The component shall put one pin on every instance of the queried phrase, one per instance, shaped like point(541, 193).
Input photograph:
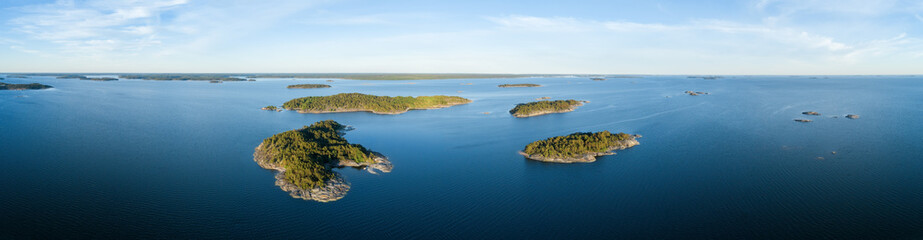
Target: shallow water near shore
point(174, 159)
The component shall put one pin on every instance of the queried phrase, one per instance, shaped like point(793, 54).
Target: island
point(852, 116)
point(183, 77)
point(598, 79)
point(691, 93)
point(705, 77)
point(544, 107)
point(518, 85)
point(305, 159)
point(306, 86)
point(387, 76)
point(358, 102)
point(83, 77)
point(271, 108)
point(29, 86)
point(811, 113)
point(578, 147)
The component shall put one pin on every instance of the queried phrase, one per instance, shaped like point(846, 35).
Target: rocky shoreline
point(333, 189)
point(588, 157)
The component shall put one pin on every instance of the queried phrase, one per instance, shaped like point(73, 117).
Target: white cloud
point(796, 38)
point(553, 24)
point(326, 18)
point(96, 25)
point(125, 27)
point(785, 35)
point(864, 7)
point(634, 27)
point(22, 49)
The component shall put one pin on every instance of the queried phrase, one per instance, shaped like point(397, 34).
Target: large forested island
point(544, 107)
point(578, 147)
point(305, 159)
point(385, 76)
point(299, 86)
point(29, 86)
point(519, 85)
point(182, 77)
point(358, 102)
point(84, 77)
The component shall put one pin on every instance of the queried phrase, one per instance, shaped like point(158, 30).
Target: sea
point(174, 160)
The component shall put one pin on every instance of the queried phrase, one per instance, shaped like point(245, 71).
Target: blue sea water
point(165, 159)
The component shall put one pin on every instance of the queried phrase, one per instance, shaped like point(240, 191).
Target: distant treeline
point(84, 77)
point(308, 86)
point(387, 76)
point(576, 144)
point(244, 76)
point(182, 77)
point(519, 85)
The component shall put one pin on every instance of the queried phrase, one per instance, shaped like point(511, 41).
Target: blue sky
point(629, 37)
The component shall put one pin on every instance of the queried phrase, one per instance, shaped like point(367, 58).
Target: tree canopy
point(519, 85)
point(28, 86)
point(308, 153)
point(544, 106)
point(375, 104)
point(181, 77)
point(308, 86)
point(576, 144)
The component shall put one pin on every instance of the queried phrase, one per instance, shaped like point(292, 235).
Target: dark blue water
point(174, 160)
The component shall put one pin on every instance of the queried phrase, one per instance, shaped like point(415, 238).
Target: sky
point(774, 37)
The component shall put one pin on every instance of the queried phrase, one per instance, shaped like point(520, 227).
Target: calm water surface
point(174, 160)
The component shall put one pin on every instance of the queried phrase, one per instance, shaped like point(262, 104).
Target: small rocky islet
point(813, 113)
point(271, 108)
point(692, 93)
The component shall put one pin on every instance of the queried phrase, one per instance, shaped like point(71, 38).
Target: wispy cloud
point(91, 25)
point(163, 26)
point(552, 24)
point(864, 7)
point(783, 35)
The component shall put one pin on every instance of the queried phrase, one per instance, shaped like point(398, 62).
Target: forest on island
point(308, 86)
point(307, 153)
point(519, 85)
point(526, 109)
point(576, 144)
point(365, 102)
point(28, 86)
